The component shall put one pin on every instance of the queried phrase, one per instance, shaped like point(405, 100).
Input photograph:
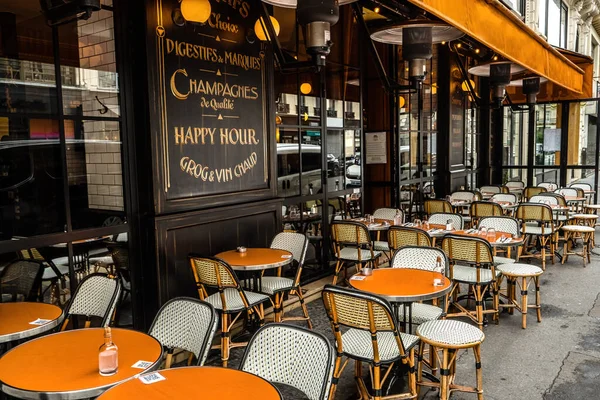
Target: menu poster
point(376, 148)
point(211, 108)
point(457, 125)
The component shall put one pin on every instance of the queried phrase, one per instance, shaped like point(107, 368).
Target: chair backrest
point(387, 213)
point(515, 184)
point(581, 185)
point(442, 218)
point(360, 310)
point(22, 278)
point(295, 243)
point(96, 296)
point(350, 233)
point(508, 197)
point(419, 257)
point(570, 191)
point(120, 255)
point(433, 206)
point(471, 250)
point(463, 195)
point(490, 189)
point(291, 355)
point(534, 212)
point(215, 273)
point(544, 198)
point(481, 209)
point(531, 191)
point(548, 185)
point(186, 323)
point(501, 224)
point(400, 236)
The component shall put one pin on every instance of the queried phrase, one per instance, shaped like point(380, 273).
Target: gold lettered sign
point(211, 83)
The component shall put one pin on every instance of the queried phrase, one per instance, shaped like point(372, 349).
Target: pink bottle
point(108, 358)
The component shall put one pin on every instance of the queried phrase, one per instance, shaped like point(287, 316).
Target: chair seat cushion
point(450, 332)
point(351, 254)
point(578, 228)
point(466, 274)
point(421, 313)
point(503, 260)
point(537, 230)
point(381, 245)
point(234, 300)
point(357, 343)
point(519, 269)
point(272, 284)
point(585, 216)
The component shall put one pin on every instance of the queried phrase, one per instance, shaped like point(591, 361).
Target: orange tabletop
point(65, 364)
point(197, 383)
point(494, 242)
point(256, 259)
point(15, 320)
point(402, 285)
point(574, 198)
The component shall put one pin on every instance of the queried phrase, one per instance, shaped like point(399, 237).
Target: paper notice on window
point(376, 147)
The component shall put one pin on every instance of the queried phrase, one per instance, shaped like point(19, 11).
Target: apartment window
point(517, 5)
point(552, 14)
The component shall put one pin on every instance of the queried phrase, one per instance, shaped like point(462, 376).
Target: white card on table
point(357, 278)
point(151, 378)
point(142, 364)
point(40, 321)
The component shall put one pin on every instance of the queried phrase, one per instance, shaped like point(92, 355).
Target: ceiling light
point(261, 32)
point(195, 10)
point(377, 9)
point(477, 51)
point(305, 88)
point(465, 86)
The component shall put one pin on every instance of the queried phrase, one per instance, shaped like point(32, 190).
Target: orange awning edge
point(495, 26)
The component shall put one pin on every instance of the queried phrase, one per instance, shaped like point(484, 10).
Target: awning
point(497, 27)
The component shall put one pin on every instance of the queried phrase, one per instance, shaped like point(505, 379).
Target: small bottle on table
point(108, 357)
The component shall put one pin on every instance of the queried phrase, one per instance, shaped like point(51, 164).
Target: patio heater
point(60, 12)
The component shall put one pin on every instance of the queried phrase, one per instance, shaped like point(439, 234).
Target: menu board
point(457, 124)
point(210, 114)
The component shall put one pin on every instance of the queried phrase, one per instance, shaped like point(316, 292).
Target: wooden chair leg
point(538, 300)
point(524, 302)
point(224, 339)
point(337, 371)
point(445, 370)
point(304, 309)
point(338, 267)
point(477, 353)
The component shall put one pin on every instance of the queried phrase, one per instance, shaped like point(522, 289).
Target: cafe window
point(552, 21)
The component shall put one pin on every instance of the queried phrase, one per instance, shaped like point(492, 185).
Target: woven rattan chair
point(21, 279)
point(433, 206)
point(278, 286)
point(568, 192)
point(507, 197)
point(515, 186)
point(293, 356)
point(507, 225)
point(537, 223)
point(400, 236)
point(187, 324)
point(352, 244)
point(389, 214)
point(471, 263)
point(531, 191)
point(96, 296)
point(449, 337)
point(490, 189)
point(481, 209)
point(521, 275)
point(442, 218)
point(581, 185)
point(468, 197)
point(372, 337)
point(230, 300)
point(549, 186)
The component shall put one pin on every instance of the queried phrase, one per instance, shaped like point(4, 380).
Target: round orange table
point(256, 259)
point(65, 365)
point(16, 320)
point(511, 241)
point(197, 382)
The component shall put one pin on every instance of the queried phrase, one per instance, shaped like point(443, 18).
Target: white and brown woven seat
point(448, 337)
point(372, 337)
point(507, 225)
point(388, 214)
point(538, 225)
point(521, 275)
point(572, 234)
point(352, 245)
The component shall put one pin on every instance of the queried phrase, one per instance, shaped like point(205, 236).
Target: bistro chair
point(515, 187)
point(449, 337)
point(21, 278)
point(434, 206)
point(352, 244)
point(457, 220)
point(505, 197)
point(581, 185)
point(293, 356)
point(568, 192)
point(549, 186)
point(471, 263)
point(531, 191)
point(119, 252)
point(521, 276)
point(481, 209)
point(490, 189)
point(388, 214)
point(572, 234)
point(96, 296)
point(187, 324)
point(230, 300)
point(537, 223)
point(400, 236)
point(507, 225)
point(54, 275)
point(278, 286)
point(467, 197)
point(372, 336)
